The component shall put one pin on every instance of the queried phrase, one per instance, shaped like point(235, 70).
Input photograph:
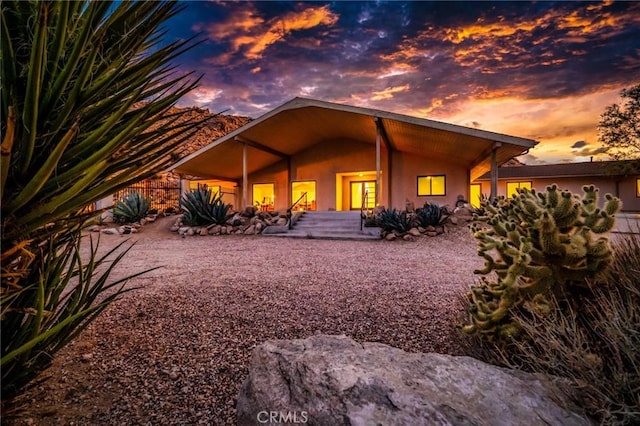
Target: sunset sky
point(543, 70)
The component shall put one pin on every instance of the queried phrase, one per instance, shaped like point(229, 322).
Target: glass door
point(358, 190)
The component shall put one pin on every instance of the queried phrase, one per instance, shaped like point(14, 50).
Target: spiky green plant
point(86, 88)
point(390, 220)
point(131, 208)
point(202, 207)
point(537, 245)
point(431, 214)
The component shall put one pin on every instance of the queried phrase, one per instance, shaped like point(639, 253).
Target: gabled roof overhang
point(302, 123)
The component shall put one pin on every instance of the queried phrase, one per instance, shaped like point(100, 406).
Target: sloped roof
point(302, 123)
point(596, 168)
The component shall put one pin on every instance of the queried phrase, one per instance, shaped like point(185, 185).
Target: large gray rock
point(333, 380)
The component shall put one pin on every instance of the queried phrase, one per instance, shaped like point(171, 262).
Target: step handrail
point(365, 198)
point(289, 210)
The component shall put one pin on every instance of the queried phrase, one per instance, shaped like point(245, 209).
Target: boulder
point(259, 227)
point(281, 222)
point(414, 231)
point(390, 236)
point(214, 229)
point(333, 380)
point(250, 230)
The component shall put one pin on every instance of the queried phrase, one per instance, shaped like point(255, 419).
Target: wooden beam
point(494, 171)
point(385, 136)
point(245, 182)
point(378, 162)
point(258, 145)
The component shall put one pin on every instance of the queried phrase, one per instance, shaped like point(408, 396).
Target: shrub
point(538, 245)
point(431, 214)
point(131, 208)
point(595, 343)
point(201, 207)
point(393, 220)
point(81, 119)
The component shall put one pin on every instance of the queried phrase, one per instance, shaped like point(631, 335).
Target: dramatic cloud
point(579, 144)
point(541, 70)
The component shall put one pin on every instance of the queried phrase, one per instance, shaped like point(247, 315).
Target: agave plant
point(431, 214)
point(202, 207)
point(86, 89)
point(393, 220)
point(131, 208)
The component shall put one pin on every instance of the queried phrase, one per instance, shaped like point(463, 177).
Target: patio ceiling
point(302, 123)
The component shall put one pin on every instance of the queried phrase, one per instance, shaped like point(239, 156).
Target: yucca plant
point(390, 220)
point(202, 207)
point(86, 88)
point(131, 208)
point(431, 214)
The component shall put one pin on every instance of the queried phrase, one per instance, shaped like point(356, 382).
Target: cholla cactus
point(537, 244)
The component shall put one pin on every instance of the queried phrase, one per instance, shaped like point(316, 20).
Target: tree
point(86, 87)
point(619, 128)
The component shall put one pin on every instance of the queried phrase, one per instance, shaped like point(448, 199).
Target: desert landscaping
point(176, 350)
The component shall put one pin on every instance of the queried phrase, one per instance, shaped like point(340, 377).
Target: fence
point(163, 194)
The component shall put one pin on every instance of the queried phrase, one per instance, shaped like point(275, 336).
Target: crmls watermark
point(280, 417)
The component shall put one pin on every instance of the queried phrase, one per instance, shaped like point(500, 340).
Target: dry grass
point(176, 351)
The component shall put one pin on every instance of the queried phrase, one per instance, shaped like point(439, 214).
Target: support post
point(378, 188)
point(245, 183)
point(494, 172)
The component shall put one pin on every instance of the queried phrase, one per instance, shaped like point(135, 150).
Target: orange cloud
point(388, 92)
point(250, 32)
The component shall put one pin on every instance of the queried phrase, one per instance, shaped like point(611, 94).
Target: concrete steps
point(343, 225)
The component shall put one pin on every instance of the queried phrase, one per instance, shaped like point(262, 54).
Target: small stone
point(204, 231)
point(174, 228)
point(110, 231)
point(408, 237)
point(174, 375)
point(183, 230)
point(150, 219)
point(143, 221)
point(432, 234)
point(390, 236)
point(453, 220)
point(414, 231)
point(430, 229)
point(87, 357)
point(259, 227)
point(250, 230)
point(190, 232)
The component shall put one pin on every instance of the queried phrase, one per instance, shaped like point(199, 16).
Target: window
point(431, 185)
point(638, 187)
point(264, 196)
point(513, 186)
point(475, 195)
point(298, 189)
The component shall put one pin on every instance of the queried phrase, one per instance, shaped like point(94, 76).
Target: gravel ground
point(176, 351)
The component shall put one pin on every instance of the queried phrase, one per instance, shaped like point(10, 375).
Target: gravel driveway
point(176, 351)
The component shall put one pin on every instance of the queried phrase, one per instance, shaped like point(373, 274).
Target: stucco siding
point(625, 190)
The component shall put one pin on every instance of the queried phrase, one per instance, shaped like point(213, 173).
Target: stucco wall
point(407, 168)
point(626, 188)
point(323, 162)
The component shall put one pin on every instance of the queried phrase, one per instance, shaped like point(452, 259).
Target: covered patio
point(341, 152)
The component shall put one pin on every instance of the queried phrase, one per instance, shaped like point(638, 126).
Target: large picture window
point(431, 185)
point(305, 192)
point(512, 187)
point(264, 196)
point(638, 187)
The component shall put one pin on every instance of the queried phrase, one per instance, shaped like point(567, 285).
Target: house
point(619, 178)
point(328, 156)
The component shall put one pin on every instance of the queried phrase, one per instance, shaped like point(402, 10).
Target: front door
point(358, 189)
